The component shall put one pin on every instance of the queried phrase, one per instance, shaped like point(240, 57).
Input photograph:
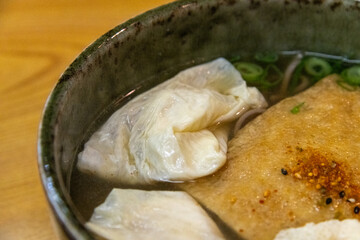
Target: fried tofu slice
point(298, 162)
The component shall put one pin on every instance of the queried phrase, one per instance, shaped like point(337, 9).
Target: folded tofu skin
point(138, 214)
point(286, 168)
point(177, 131)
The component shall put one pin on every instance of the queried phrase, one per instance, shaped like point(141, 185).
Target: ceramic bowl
point(154, 46)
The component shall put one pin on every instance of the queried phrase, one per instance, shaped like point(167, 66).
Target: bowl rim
point(69, 223)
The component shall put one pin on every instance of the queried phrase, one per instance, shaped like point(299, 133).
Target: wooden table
point(38, 40)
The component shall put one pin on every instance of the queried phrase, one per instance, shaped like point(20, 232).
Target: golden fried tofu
point(296, 163)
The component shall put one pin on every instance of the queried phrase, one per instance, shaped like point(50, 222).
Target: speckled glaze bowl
point(156, 45)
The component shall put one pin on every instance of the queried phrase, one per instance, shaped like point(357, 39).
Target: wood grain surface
point(38, 40)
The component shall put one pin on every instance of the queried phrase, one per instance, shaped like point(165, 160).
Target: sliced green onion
point(296, 109)
point(345, 85)
point(267, 57)
point(317, 67)
point(352, 75)
point(249, 71)
point(295, 80)
point(265, 83)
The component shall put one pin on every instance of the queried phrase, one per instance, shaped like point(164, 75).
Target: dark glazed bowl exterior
point(156, 45)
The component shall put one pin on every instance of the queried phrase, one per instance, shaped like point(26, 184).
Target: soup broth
point(277, 76)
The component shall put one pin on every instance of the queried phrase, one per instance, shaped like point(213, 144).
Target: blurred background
point(38, 40)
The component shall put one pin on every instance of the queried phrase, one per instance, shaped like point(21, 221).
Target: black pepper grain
point(356, 210)
point(342, 194)
point(328, 200)
point(284, 171)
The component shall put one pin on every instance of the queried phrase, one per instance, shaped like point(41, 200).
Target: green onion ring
point(249, 71)
point(267, 84)
point(267, 57)
point(351, 75)
point(317, 67)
